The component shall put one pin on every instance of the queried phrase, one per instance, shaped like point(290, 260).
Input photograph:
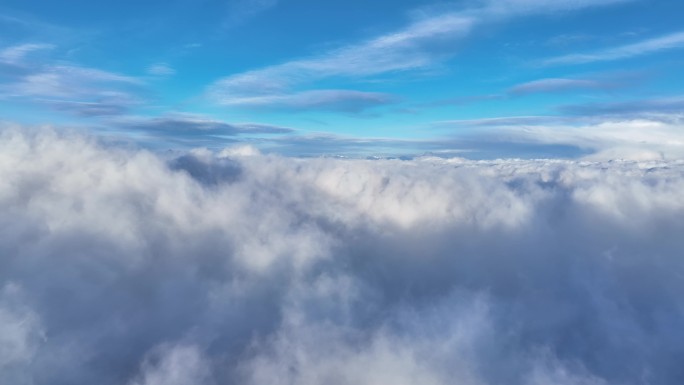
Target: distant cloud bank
point(120, 266)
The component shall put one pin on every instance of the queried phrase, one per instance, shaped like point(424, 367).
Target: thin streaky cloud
point(556, 85)
point(645, 47)
point(422, 44)
point(242, 10)
point(161, 69)
point(399, 51)
point(16, 54)
point(672, 107)
point(335, 100)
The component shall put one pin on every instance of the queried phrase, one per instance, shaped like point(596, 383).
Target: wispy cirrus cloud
point(194, 125)
point(644, 47)
point(186, 131)
point(242, 10)
point(545, 86)
point(512, 8)
point(669, 108)
point(64, 86)
point(399, 51)
point(422, 44)
point(348, 101)
point(161, 69)
point(16, 54)
point(111, 104)
point(558, 85)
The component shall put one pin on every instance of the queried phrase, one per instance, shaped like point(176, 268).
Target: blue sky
point(477, 78)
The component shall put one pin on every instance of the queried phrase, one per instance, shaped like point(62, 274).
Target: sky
point(477, 78)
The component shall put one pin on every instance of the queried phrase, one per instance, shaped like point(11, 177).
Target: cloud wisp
point(82, 91)
point(121, 267)
point(549, 85)
point(421, 45)
point(645, 47)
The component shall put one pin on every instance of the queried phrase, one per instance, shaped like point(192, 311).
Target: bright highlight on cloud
point(124, 267)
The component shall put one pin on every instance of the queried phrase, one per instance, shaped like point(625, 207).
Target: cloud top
point(120, 266)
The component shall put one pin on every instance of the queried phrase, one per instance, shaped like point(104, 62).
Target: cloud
point(64, 86)
point(16, 54)
point(645, 47)
point(509, 121)
point(601, 137)
point(186, 131)
point(176, 365)
point(241, 10)
point(21, 335)
point(79, 90)
point(108, 104)
point(599, 82)
point(119, 267)
point(424, 43)
point(333, 100)
point(512, 8)
point(667, 108)
point(403, 50)
point(557, 85)
point(160, 69)
point(188, 124)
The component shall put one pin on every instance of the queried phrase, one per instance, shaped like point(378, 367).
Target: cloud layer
point(125, 267)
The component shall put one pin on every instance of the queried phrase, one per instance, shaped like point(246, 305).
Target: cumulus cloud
point(121, 266)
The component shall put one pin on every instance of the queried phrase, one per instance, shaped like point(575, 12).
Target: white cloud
point(80, 90)
point(421, 45)
point(512, 8)
point(645, 47)
point(241, 10)
point(161, 69)
point(607, 139)
point(15, 54)
point(336, 100)
point(402, 50)
point(142, 270)
point(556, 85)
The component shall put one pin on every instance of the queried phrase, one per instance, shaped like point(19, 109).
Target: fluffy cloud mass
point(124, 267)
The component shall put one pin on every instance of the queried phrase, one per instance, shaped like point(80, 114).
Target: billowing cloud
point(645, 134)
point(119, 266)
